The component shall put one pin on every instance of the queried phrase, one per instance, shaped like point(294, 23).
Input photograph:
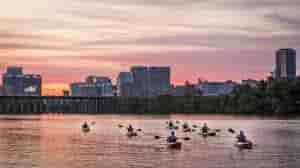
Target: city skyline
point(160, 76)
point(198, 39)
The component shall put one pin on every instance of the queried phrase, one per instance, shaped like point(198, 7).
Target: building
point(1, 91)
point(150, 81)
point(285, 63)
point(94, 86)
point(15, 83)
point(158, 81)
point(216, 88)
point(125, 84)
point(179, 90)
point(66, 93)
point(250, 82)
point(140, 81)
point(32, 85)
point(185, 90)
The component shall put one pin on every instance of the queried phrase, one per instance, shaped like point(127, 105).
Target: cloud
point(285, 21)
point(217, 39)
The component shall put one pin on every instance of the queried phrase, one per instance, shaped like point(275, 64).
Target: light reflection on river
point(49, 141)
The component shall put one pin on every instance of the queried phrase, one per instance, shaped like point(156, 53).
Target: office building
point(125, 84)
point(150, 81)
point(216, 88)
point(140, 80)
point(16, 83)
point(94, 86)
point(159, 81)
point(285, 63)
point(32, 85)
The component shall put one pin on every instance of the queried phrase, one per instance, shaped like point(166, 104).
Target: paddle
point(184, 138)
point(218, 130)
point(231, 130)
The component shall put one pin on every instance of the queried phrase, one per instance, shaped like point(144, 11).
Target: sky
point(66, 40)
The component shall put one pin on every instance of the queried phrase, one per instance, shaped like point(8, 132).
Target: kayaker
point(171, 125)
point(130, 128)
point(205, 128)
point(185, 125)
point(85, 125)
point(241, 137)
point(172, 138)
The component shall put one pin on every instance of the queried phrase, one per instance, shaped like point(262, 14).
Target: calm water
point(49, 141)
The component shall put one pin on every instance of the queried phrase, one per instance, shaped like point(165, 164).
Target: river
point(56, 140)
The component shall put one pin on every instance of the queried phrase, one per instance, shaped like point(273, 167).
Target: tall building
point(159, 81)
point(285, 63)
point(125, 84)
point(94, 86)
point(140, 80)
point(151, 81)
point(15, 83)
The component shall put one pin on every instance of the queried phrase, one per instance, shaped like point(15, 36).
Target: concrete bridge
point(61, 104)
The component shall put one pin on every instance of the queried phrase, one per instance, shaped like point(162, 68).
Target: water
point(49, 141)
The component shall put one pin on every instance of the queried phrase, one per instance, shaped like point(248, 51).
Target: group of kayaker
point(242, 140)
point(172, 140)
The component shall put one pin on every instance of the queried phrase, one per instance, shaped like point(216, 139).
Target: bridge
point(67, 104)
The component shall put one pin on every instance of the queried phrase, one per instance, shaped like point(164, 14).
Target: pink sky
point(212, 40)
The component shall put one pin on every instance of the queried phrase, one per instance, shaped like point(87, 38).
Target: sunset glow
point(66, 40)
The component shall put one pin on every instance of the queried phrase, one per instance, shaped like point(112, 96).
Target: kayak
point(187, 130)
point(131, 134)
point(174, 127)
point(86, 129)
point(176, 145)
point(212, 134)
point(244, 145)
point(208, 134)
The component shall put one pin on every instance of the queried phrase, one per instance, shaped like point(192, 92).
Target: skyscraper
point(285, 63)
point(150, 81)
point(125, 84)
point(159, 81)
point(13, 81)
point(140, 80)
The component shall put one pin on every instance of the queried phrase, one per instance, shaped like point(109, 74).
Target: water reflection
point(57, 141)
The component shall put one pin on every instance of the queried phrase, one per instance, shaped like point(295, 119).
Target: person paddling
point(185, 125)
point(242, 137)
point(130, 128)
point(172, 138)
point(205, 128)
point(85, 125)
point(171, 125)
